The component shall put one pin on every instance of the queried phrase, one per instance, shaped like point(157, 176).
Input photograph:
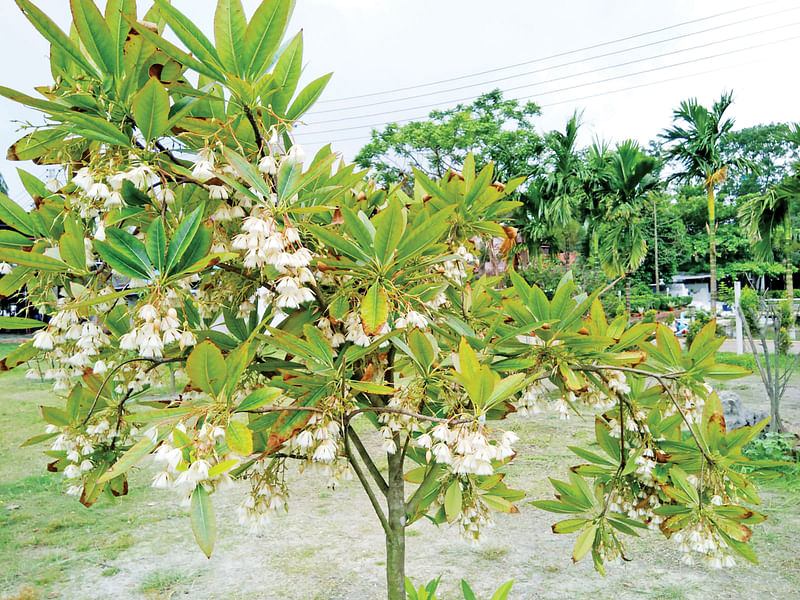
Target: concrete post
point(737, 295)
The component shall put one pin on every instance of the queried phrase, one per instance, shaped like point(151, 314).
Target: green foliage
point(771, 446)
point(491, 128)
point(699, 321)
point(750, 305)
point(428, 591)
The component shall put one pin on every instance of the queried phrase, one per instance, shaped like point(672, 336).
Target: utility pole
point(655, 236)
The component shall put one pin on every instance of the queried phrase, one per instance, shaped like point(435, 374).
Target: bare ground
point(330, 545)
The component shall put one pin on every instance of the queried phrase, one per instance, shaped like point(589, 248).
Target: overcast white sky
point(749, 46)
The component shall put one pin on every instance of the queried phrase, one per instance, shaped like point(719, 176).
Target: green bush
point(650, 316)
point(701, 319)
point(749, 302)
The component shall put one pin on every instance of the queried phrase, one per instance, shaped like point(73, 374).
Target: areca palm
point(695, 143)
point(552, 198)
point(768, 221)
point(626, 186)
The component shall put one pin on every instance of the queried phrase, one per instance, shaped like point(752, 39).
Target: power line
point(564, 64)
point(561, 78)
point(557, 55)
point(367, 136)
point(686, 62)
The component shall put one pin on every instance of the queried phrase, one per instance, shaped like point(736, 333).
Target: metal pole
point(737, 294)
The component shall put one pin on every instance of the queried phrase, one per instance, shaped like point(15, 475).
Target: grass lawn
point(330, 545)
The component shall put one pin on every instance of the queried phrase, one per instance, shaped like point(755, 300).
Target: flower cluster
point(701, 538)
point(155, 331)
point(466, 447)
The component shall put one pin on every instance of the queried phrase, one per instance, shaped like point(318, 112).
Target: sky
point(626, 64)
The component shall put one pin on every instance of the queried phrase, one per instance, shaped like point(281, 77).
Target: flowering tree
point(306, 306)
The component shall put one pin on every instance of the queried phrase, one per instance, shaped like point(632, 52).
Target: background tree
point(491, 128)
point(694, 143)
point(768, 148)
point(550, 213)
point(627, 186)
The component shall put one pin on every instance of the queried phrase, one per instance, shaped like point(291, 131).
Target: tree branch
point(371, 466)
point(365, 484)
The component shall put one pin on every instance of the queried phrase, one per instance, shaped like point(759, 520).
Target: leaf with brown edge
point(374, 309)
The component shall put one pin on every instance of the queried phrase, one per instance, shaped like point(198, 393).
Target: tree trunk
point(789, 282)
point(712, 248)
point(655, 240)
point(396, 540)
point(628, 295)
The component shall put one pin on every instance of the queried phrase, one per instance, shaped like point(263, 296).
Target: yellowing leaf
point(239, 438)
point(374, 309)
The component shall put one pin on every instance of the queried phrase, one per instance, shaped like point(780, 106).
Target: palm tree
point(627, 184)
point(695, 143)
point(594, 185)
point(552, 198)
point(767, 220)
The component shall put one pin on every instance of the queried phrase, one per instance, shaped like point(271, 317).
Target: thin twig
point(156, 361)
point(685, 419)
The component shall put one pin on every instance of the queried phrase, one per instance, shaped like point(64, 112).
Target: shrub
point(749, 302)
point(701, 319)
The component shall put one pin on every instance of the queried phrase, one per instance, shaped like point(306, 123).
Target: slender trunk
point(595, 256)
point(789, 282)
point(628, 295)
point(712, 248)
point(655, 240)
point(396, 539)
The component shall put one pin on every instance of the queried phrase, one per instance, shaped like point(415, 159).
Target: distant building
point(696, 285)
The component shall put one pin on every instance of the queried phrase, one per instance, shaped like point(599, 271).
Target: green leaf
point(206, 368)
point(371, 388)
point(421, 348)
point(503, 591)
point(287, 72)
point(72, 251)
point(307, 97)
point(239, 438)
point(156, 244)
point(209, 68)
point(584, 543)
point(132, 249)
point(569, 525)
point(724, 371)
point(13, 323)
point(54, 416)
point(374, 309)
point(95, 128)
point(116, 13)
point(151, 109)
point(182, 237)
point(13, 215)
point(466, 591)
point(50, 31)
point(452, 501)
point(134, 454)
point(95, 34)
point(230, 27)
point(32, 259)
point(38, 145)
point(259, 398)
point(204, 524)
point(188, 33)
point(390, 225)
point(263, 36)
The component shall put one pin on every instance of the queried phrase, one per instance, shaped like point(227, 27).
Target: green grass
point(747, 360)
point(163, 583)
point(51, 541)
